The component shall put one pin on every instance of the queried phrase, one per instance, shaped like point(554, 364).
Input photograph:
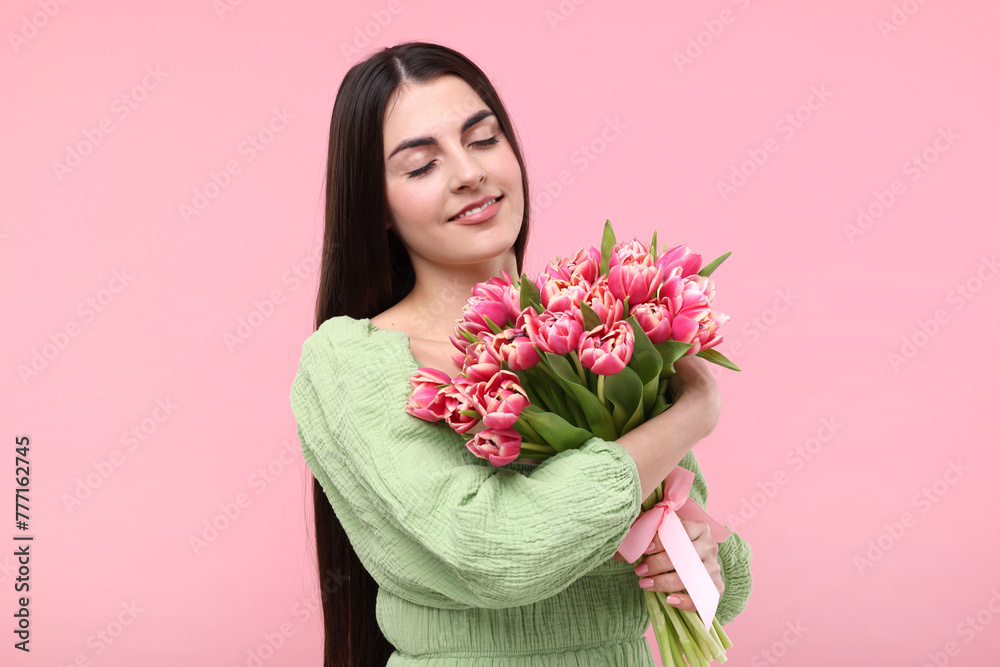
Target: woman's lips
point(482, 216)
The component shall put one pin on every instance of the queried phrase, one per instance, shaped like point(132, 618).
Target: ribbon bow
point(664, 518)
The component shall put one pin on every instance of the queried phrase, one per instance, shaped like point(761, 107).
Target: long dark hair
point(365, 270)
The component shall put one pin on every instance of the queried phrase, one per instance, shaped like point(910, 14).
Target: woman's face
point(461, 158)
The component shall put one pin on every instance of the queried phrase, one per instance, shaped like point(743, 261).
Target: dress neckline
point(399, 334)
point(404, 338)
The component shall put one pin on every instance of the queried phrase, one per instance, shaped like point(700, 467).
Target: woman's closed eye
point(427, 167)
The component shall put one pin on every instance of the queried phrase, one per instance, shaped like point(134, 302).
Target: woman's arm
point(660, 443)
point(431, 523)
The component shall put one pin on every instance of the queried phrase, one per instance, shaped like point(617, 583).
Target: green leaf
point(562, 367)
point(646, 360)
point(469, 337)
point(649, 393)
point(591, 319)
point(624, 390)
point(717, 357)
point(652, 246)
point(671, 351)
point(527, 433)
point(525, 381)
point(548, 388)
point(558, 433)
point(596, 414)
point(659, 405)
point(607, 245)
point(712, 266)
point(530, 296)
point(637, 418)
point(494, 327)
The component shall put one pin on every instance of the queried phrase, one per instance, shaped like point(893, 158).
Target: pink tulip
point(427, 400)
point(513, 346)
point(456, 400)
point(683, 312)
point(558, 294)
point(632, 273)
point(654, 319)
point(606, 305)
point(512, 300)
point(607, 350)
point(630, 252)
point(557, 333)
point(584, 265)
point(679, 256)
point(499, 400)
point(476, 310)
point(499, 446)
point(481, 360)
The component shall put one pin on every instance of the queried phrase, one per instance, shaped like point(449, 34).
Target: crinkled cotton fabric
point(477, 565)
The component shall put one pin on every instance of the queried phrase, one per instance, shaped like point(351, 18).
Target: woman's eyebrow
point(424, 141)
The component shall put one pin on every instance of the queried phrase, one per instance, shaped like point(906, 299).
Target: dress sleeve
point(435, 525)
point(734, 554)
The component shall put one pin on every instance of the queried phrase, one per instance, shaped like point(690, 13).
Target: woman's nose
point(467, 171)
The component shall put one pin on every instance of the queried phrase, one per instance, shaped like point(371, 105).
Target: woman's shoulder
point(348, 342)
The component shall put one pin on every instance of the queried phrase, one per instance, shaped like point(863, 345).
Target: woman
point(428, 555)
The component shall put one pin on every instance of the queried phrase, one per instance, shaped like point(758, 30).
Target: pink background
point(818, 310)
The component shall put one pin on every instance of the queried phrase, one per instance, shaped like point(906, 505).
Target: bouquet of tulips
point(586, 348)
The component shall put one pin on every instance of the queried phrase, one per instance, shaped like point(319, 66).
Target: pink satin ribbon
point(664, 518)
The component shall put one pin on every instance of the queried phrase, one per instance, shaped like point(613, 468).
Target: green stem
point(532, 433)
point(661, 629)
point(691, 651)
point(706, 643)
point(554, 392)
point(721, 636)
point(541, 449)
point(579, 367)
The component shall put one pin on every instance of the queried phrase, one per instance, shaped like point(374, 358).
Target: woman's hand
point(693, 381)
point(661, 571)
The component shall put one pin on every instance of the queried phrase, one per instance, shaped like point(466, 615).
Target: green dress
point(477, 565)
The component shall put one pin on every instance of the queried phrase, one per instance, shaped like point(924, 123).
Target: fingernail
point(641, 569)
point(650, 548)
point(646, 583)
point(673, 599)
